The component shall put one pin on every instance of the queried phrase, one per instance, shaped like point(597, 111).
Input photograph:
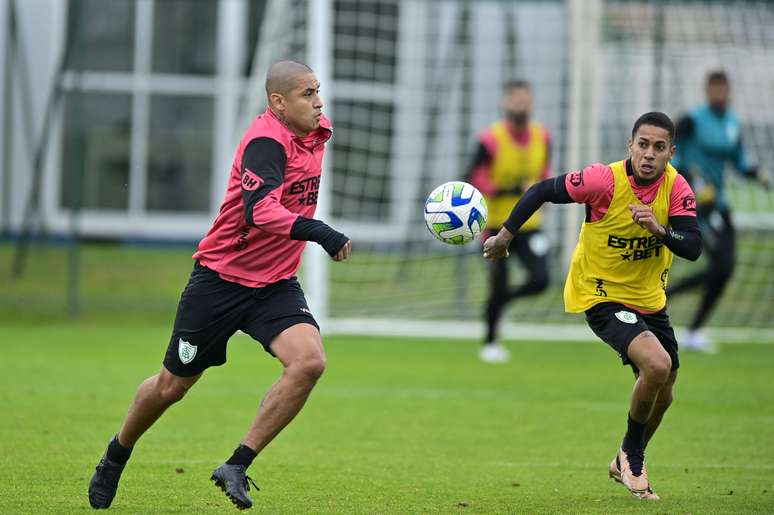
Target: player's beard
point(519, 119)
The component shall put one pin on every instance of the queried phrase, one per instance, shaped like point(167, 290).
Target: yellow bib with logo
point(513, 166)
point(615, 259)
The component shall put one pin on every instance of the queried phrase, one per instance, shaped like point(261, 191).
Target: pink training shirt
point(594, 187)
point(261, 252)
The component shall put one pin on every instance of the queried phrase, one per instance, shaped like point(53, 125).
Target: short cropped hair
point(516, 84)
point(717, 77)
point(657, 119)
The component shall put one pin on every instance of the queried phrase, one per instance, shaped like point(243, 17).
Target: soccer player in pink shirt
point(639, 212)
point(244, 278)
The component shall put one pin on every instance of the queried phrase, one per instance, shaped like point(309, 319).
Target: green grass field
point(395, 426)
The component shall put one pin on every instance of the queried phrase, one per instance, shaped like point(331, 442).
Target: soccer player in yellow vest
point(639, 212)
point(513, 154)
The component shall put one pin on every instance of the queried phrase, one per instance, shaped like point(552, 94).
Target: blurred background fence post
point(6, 150)
point(320, 55)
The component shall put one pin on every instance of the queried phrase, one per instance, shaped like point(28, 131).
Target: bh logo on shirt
point(250, 181)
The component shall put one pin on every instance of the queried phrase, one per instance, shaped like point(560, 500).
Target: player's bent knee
point(653, 362)
point(171, 388)
point(310, 367)
point(657, 370)
point(172, 393)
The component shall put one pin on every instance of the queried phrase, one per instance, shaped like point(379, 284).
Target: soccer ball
point(455, 212)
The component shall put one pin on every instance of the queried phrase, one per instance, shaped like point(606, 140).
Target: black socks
point(117, 452)
point(243, 455)
point(635, 436)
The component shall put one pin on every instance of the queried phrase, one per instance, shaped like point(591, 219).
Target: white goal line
point(452, 329)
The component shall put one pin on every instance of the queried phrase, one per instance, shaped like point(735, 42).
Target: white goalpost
point(320, 55)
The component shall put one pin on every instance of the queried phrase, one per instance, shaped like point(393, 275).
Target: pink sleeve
point(594, 185)
point(480, 176)
point(682, 201)
point(271, 216)
point(487, 139)
point(480, 179)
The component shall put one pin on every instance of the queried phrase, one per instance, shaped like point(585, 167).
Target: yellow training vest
point(615, 259)
point(515, 165)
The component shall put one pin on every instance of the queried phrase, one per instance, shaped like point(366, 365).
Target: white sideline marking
point(451, 329)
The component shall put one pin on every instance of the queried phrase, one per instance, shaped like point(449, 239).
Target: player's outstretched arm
point(551, 190)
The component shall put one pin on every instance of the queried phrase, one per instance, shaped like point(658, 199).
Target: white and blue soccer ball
point(455, 212)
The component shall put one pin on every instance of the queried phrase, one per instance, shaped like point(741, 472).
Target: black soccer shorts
point(212, 309)
point(617, 326)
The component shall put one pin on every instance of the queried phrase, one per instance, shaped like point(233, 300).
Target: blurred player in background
point(708, 138)
point(244, 278)
point(512, 155)
point(638, 213)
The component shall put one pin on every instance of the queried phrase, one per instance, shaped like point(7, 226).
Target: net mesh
point(414, 82)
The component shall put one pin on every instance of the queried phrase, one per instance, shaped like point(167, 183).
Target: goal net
point(412, 83)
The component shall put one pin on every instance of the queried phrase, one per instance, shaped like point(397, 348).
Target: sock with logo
point(243, 455)
point(117, 452)
point(635, 435)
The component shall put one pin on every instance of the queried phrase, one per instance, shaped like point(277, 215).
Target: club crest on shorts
point(627, 317)
point(186, 351)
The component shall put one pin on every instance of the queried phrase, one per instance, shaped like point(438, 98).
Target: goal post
point(319, 59)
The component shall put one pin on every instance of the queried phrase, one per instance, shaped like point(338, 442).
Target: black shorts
point(212, 309)
point(618, 325)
